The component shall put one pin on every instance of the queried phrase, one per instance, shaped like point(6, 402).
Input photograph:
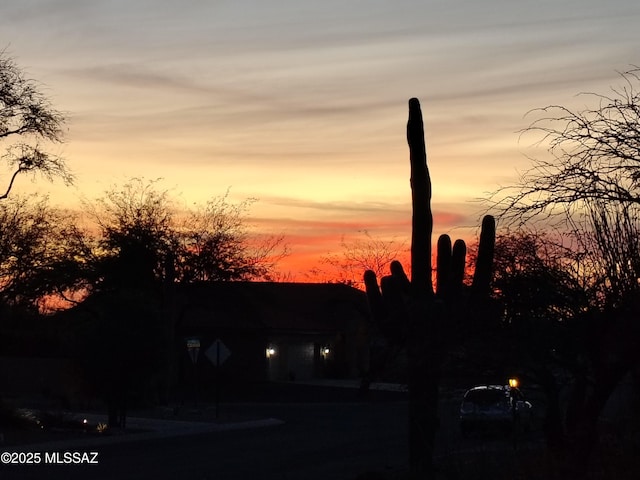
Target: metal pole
point(195, 383)
point(217, 380)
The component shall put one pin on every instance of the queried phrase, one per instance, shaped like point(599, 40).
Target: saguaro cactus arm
point(484, 261)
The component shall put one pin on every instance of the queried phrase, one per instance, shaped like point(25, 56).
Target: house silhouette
point(275, 331)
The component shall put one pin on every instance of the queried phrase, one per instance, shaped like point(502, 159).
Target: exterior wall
point(292, 359)
point(302, 358)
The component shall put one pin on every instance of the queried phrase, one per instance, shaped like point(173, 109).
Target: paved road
point(317, 441)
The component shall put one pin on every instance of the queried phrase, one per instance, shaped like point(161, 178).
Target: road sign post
point(217, 354)
point(193, 349)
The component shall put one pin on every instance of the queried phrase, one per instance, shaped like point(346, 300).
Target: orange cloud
point(312, 239)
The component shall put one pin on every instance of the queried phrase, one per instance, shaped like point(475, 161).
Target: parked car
point(494, 406)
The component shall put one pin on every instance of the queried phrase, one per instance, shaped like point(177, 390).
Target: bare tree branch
point(27, 117)
point(590, 185)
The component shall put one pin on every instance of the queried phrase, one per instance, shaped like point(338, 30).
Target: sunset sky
point(303, 105)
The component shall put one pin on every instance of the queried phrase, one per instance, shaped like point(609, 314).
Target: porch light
point(513, 382)
point(325, 351)
point(270, 352)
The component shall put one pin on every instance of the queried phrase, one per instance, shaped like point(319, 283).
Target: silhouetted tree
point(367, 252)
point(535, 278)
point(122, 344)
point(205, 243)
point(589, 188)
point(34, 242)
point(136, 223)
point(543, 300)
point(214, 244)
point(142, 246)
point(26, 120)
point(429, 322)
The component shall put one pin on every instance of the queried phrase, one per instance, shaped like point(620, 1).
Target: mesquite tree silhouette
point(423, 320)
point(27, 120)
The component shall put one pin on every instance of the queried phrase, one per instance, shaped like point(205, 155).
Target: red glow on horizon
point(308, 249)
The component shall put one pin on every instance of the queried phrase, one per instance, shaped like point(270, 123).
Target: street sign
point(217, 353)
point(193, 347)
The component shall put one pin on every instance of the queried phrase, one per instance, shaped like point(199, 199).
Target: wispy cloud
point(303, 104)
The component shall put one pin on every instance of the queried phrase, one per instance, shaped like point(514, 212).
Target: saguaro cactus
point(429, 321)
